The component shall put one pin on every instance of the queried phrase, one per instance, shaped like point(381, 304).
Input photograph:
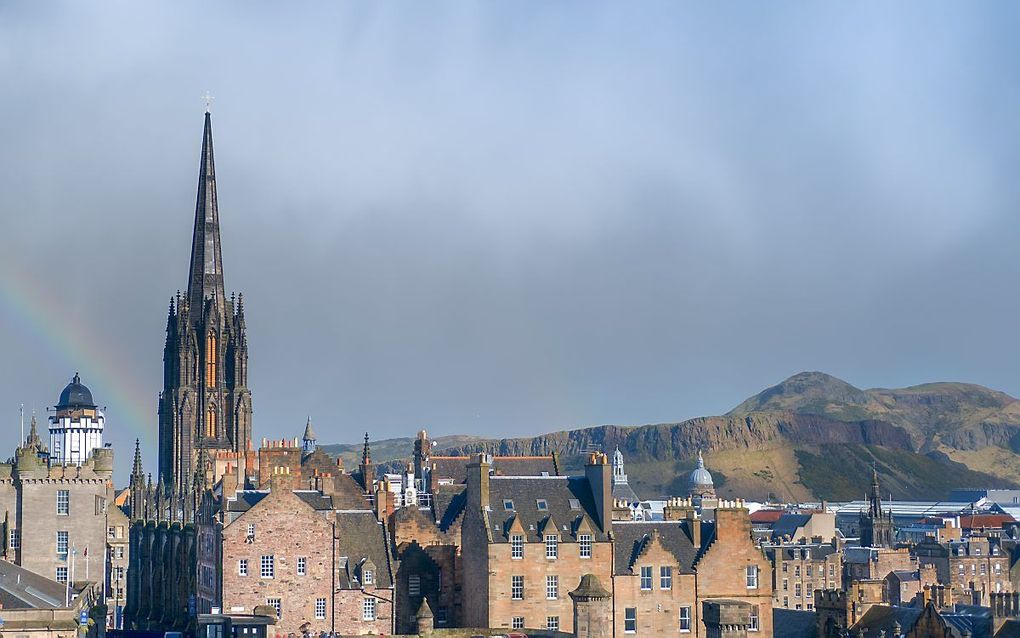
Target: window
point(646, 577)
point(368, 577)
point(441, 616)
point(584, 545)
point(251, 531)
point(552, 587)
point(516, 547)
point(242, 567)
point(998, 567)
point(63, 502)
point(517, 587)
point(796, 590)
point(630, 620)
point(807, 571)
point(665, 577)
point(120, 552)
point(808, 589)
point(320, 608)
point(15, 538)
point(210, 360)
point(552, 546)
point(575, 504)
point(302, 566)
point(796, 570)
point(542, 505)
point(508, 505)
point(517, 622)
point(786, 602)
point(685, 619)
point(755, 623)
point(786, 567)
point(414, 585)
point(786, 584)
point(210, 421)
point(552, 623)
point(832, 571)
point(368, 609)
point(100, 505)
point(62, 575)
point(62, 544)
point(111, 532)
point(751, 575)
point(276, 604)
point(268, 567)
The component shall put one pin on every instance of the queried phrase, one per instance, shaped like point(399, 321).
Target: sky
point(506, 219)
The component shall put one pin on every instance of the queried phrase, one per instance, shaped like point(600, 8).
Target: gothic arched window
point(210, 360)
point(210, 422)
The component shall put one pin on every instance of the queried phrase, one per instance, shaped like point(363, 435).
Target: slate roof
point(791, 623)
point(24, 589)
point(360, 537)
point(630, 539)
point(884, 617)
point(623, 491)
point(455, 467)
point(976, 620)
point(905, 576)
point(247, 499)
point(448, 504)
point(793, 552)
point(787, 524)
point(567, 501)
point(347, 494)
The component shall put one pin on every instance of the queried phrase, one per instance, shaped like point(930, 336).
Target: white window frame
point(552, 546)
point(751, 576)
point(516, 587)
point(552, 587)
point(414, 585)
point(685, 620)
point(367, 577)
point(15, 539)
point(646, 578)
point(552, 623)
point(755, 624)
point(267, 566)
point(368, 609)
point(242, 567)
point(61, 576)
point(665, 577)
point(277, 604)
point(302, 566)
point(584, 545)
point(630, 620)
point(320, 608)
point(63, 502)
point(63, 542)
point(516, 546)
point(517, 622)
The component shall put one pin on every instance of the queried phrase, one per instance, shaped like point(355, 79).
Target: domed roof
point(700, 476)
point(75, 395)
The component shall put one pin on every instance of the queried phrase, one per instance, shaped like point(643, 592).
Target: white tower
point(76, 428)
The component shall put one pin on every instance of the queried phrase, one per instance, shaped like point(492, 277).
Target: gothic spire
point(875, 505)
point(206, 277)
point(136, 469)
point(366, 454)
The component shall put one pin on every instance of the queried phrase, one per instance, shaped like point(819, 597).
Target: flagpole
point(87, 563)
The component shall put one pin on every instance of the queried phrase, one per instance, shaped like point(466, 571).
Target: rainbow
point(24, 300)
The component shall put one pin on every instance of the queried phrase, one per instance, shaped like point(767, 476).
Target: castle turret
point(76, 427)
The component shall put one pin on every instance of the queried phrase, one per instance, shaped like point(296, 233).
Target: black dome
point(75, 395)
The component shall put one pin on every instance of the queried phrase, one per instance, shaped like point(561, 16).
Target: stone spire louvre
point(205, 279)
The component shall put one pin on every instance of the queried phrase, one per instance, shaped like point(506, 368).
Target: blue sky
point(512, 218)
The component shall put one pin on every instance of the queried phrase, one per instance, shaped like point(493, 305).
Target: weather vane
point(208, 101)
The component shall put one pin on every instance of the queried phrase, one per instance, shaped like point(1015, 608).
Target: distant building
point(876, 524)
point(76, 427)
point(799, 569)
point(700, 483)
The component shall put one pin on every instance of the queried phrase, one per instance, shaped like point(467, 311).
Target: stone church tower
point(877, 524)
point(205, 403)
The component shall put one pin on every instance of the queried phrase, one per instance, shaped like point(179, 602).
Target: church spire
point(136, 469)
point(206, 277)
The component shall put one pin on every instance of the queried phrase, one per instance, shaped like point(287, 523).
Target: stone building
point(322, 570)
point(205, 403)
point(877, 523)
point(593, 609)
point(976, 566)
point(56, 516)
point(654, 582)
point(801, 568)
point(527, 540)
point(700, 484)
point(875, 563)
point(76, 427)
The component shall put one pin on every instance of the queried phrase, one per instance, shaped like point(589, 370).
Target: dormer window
point(575, 504)
point(508, 505)
point(542, 505)
point(367, 577)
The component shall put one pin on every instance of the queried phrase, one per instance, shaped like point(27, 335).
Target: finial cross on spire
point(208, 101)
